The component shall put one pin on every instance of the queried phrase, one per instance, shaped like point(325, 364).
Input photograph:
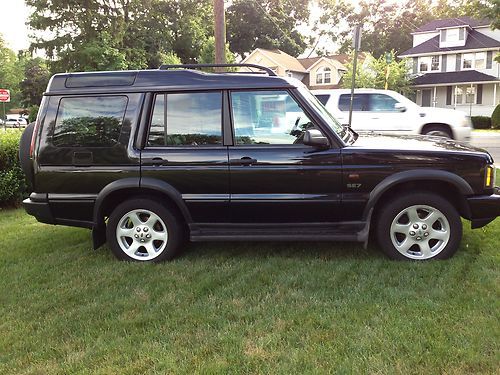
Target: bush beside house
point(481, 122)
point(12, 181)
point(495, 118)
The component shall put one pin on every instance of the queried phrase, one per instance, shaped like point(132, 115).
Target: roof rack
point(198, 66)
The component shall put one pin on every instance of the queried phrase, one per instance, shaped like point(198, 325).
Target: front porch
point(475, 99)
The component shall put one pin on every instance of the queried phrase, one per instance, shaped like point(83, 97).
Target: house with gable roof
point(323, 72)
point(452, 62)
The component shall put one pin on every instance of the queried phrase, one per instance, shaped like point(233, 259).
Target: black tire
point(24, 152)
point(451, 226)
point(171, 222)
point(438, 130)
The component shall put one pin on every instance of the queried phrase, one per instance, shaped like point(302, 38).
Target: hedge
point(495, 118)
point(13, 184)
point(481, 122)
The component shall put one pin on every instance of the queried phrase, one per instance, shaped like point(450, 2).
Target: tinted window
point(323, 98)
point(191, 119)
point(382, 103)
point(89, 121)
point(268, 117)
point(359, 102)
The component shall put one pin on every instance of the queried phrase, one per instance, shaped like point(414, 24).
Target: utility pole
point(356, 43)
point(220, 33)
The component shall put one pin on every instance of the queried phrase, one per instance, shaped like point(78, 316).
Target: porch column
point(435, 97)
point(455, 97)
point(495, 94)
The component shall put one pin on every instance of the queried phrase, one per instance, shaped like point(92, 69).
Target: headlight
point(489, 176)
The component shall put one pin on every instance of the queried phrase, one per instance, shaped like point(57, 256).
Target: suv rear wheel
point(143, 230)
point(419, 226)
point(438, 131)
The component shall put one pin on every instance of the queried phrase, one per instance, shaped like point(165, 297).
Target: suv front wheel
point(419, 226)
point(143, 230)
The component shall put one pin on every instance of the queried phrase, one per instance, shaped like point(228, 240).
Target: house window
point(480, 62)
point(323, 76)
point(458, 95)
point(452, 35)
point(468, 61)
point(424, 64)
point(470, 93)
point(435, 63)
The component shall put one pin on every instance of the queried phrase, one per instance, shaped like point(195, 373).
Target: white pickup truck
point(386, 111)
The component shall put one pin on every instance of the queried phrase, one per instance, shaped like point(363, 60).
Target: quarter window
point(382, 103)
point(267, 118)
point(187, 119)
point(89, 121)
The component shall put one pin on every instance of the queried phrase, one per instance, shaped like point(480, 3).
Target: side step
point(344, 231)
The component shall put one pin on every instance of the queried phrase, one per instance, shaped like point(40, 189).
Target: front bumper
point(484, 208)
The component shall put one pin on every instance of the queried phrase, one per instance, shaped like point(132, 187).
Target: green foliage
point(481, 122)
point(12, 181)
point(11, 74)
point(266, 24)
point(495, 118)
point(372, 74)
point(33, 112)
point(36, 78)
point(207, 53)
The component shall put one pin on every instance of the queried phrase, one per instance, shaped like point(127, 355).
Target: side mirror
point(313, 137)
point(399, 107)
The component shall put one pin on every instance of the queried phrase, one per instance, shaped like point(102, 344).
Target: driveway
point(489, 141)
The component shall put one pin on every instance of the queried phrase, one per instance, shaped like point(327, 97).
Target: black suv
point(149, 159)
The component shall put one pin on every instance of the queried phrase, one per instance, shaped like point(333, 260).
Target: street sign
point(4, 96)
point(356, 38)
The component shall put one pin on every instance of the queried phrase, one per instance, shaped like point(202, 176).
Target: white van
point(386, 111)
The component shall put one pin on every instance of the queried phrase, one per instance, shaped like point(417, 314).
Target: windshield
point(323, 112)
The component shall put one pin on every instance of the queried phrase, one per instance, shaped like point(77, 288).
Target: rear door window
point(186, 119)
point(359, 103)
point(89, 121)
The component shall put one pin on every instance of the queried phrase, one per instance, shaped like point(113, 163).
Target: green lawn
point(244, 308)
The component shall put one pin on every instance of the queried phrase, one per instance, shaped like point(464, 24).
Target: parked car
point(148, 159)
point(12, 123)
point(387, 112)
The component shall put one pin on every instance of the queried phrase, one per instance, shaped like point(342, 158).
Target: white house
point(453, 65)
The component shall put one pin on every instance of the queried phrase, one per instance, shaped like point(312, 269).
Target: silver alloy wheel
point(141, 234)
point(438, 133)
point(420, 232)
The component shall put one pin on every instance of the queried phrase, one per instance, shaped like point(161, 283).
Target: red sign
point(4, 96)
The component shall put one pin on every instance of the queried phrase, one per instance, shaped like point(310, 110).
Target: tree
point(207, 53)
point(36, 77)
point(119, 34)
point(372, 74)
point(11, 73)
point(266, 24)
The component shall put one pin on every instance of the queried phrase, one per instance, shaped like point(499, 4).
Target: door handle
point(158, 161)
point(245, 160)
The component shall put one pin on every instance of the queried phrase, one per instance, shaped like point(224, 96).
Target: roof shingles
point(464, 76)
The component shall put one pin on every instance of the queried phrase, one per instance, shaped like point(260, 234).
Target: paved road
point(489, 141)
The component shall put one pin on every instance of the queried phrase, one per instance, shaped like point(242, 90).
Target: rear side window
point(359, 102)
point(323, 98)
point(187, 119)
point(89, 121)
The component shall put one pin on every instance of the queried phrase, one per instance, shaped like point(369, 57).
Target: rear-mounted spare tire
point(24, 153)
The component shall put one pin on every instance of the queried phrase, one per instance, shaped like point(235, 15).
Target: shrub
point(481, 122)
point(12, 181)
point(495, 118)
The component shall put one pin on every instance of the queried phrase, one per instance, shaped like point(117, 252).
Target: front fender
point(415, 175)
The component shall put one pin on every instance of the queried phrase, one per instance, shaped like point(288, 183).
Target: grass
point(244, 307)
point(491, 130)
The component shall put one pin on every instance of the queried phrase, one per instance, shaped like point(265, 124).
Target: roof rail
point(198, 66)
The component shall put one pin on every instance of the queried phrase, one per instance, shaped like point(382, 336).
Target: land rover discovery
point(149, 159)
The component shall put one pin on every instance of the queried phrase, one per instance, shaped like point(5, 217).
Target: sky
point(12, 24)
